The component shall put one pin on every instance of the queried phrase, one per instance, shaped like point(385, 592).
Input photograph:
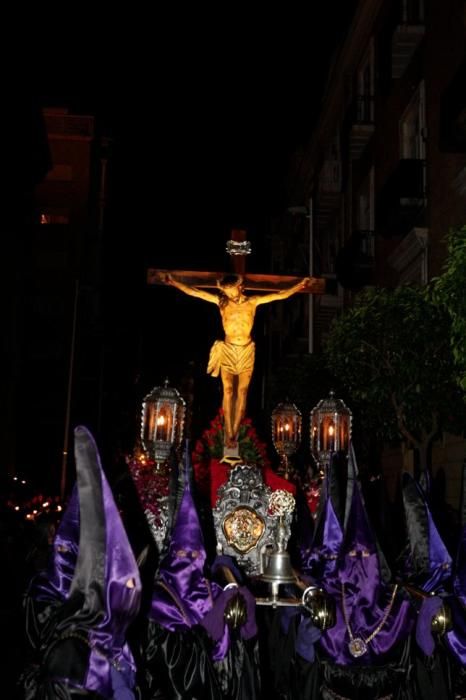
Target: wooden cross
point(234, 360)
point(253, 282)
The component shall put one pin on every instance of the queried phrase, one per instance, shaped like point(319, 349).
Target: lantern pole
point(286, 434)
point(311, 273)
point(69, 392)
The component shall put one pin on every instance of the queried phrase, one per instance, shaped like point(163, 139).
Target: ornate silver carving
point(239, 247)
point(331, 422)
point(158, 524)
point(244, 527)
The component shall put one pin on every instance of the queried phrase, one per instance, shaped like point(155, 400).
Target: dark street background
point(201, 126)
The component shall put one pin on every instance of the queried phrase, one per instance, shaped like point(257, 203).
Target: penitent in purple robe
point(79, 610)
point(358, 589)
point(187, 651)
point(322, 560)
point(426, 564)
point(456, 639)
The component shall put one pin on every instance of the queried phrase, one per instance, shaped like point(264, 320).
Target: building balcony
point(362, 124)
point(406, 38)
point(401, 201)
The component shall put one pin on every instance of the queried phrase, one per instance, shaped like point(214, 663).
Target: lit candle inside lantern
point(161, 432)
point(331, 437)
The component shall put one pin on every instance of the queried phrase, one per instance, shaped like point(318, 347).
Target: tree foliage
point(449, 292)
point(392, 351)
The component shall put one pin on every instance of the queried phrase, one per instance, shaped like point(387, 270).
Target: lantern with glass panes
point(330, 429)
point(286, 433)
point(163, 414)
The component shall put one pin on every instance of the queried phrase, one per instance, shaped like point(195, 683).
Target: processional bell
point(278, 568)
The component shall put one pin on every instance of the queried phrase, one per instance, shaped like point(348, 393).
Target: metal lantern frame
point(330, 428)
point(162, 422)
point(286, 432)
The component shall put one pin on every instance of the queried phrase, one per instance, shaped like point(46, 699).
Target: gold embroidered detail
point(358, 645)
point(243, 529)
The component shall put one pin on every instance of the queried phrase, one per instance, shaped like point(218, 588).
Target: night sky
point(204, 113)
point(204, 119)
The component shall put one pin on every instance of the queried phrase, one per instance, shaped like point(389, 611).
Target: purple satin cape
point(456, 639)
point(328, 536)
point(54, 584)
point(214, 622)
point(424, 637)
point(323, 558)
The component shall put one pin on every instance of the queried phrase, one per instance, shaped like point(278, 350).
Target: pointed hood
point(54, 584)
point(428, 563)
point(364, 602)
point(359, 549)
point(183, 596)
point(106, 577)
point(459, 581)
point(361, 561)
point(94, 586)
point(106, 572)
point(328, 535)
point(456, 638)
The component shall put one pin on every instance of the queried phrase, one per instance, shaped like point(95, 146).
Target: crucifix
point(233, 357)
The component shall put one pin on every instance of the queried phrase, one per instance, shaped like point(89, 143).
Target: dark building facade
point(53, 301)
point(383, 178)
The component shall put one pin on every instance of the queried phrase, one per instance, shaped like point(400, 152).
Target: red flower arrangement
point(209, 449)
point(150, 485)
point(211, 443)
point(313, 494)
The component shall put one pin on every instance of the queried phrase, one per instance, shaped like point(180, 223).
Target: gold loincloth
point(235, 359)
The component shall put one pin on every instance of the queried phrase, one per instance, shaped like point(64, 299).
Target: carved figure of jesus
point(233, 357)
